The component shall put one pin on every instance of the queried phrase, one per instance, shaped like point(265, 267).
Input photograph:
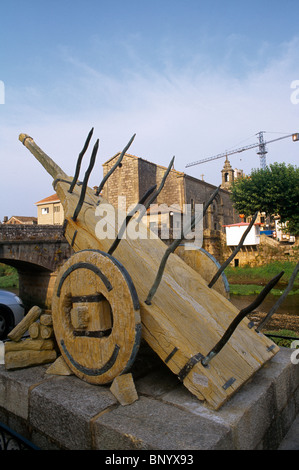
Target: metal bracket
point(170, 356)
point(228, 383)
point(189, 365)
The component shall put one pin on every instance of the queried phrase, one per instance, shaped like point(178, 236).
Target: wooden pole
point(33, 315)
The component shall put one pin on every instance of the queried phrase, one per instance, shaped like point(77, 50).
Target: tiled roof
point(23, 218)
point(241, 224)
point(49, 199)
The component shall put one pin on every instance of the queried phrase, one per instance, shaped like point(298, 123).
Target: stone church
point(135, 175)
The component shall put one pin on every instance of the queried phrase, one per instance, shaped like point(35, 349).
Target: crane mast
point(262, 151)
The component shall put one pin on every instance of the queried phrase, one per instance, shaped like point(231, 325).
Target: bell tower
point(227, 175)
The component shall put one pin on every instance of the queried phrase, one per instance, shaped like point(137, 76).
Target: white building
point(234, 233)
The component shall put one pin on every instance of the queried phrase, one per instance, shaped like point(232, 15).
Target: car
point(12, 311)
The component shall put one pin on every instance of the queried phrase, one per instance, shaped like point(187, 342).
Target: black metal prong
point(280, 300)
point(156, 194)
point(236, 250)
point(173, 246)
point(128, 218)
point(164, 259)
point(78, 166)
point(114, 166)
point(241, 315)
point(85, 181)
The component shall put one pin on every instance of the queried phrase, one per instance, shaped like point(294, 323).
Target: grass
point(8, 277)
point(246, 280)
point(252, 289)
point(282, 342)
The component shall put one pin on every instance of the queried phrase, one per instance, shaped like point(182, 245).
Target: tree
point(274, 190)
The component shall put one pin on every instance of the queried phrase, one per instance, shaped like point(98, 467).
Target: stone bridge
point(37, 252)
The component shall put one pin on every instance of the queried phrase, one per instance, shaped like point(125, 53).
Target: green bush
point(8, 276)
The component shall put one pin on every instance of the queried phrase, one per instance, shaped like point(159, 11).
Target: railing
point(10, 440)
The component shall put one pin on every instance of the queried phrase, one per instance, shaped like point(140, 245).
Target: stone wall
point(36, 288)
point(30, 232)
point(267, 251)
point(213, 244)
point(220, 212)
point(122, 182)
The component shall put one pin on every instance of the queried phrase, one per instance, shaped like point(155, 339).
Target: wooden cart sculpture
point(108, 295)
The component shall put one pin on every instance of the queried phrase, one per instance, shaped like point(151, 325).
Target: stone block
point(248, 413)
point(291, 441)
point(15, 388)
point(63, 407)
point(284, 374)
point(150, 424)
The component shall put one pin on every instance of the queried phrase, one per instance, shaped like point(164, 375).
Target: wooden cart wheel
point(96, 316)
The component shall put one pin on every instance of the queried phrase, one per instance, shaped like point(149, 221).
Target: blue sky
point(191, 78)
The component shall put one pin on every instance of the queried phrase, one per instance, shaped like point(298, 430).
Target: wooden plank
point(204, 264)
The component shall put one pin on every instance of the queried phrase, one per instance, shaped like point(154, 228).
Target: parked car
point(11, 312)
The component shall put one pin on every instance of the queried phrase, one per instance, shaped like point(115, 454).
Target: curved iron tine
point(173, 246)
point(156, 194)
point(114, 166)
point(241, 315)
point(78, 166)
point(128, 218)
point(280, 300)
point(85, 181)
point(236, 250)
point(212, 197)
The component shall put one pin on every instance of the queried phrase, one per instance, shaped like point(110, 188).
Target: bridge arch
point(36, 252)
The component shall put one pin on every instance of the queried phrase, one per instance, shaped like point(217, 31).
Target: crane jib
point(295, 137)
